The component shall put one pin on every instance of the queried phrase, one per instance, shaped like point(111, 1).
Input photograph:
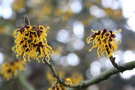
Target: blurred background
point(70, 22)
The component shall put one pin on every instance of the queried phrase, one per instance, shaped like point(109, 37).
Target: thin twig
point(26, 20)
point(120, 68)
point(60, 80)
point(105, 75)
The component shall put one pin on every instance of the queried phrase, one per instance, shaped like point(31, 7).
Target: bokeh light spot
point(73, 59)
point(78, 29)
point(1, 58)
point(63, 36)
point(76, 6)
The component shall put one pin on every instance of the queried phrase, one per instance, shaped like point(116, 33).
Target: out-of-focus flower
point(18, 4)
point(45, 11)
point(10, 69)
point(117, 14)
point(31, 43)
point(78, 79)
point(104, 41)
point(64, 15)
point(50, 77)
point(3, 29)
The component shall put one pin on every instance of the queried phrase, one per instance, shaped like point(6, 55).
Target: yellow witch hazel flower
point(50, 77)
point(55, 84)
point(104, 41)
point(58, 86)
point(10, 69)
point(31, 43)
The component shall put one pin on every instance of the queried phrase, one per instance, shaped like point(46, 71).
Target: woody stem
point(120, 68)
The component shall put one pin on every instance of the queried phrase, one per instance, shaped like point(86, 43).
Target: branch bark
point(60, 80)
point(118, 67)
point(103, 76)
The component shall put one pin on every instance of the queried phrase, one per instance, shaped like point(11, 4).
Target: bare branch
point(119, 67)
point(60, 80)
point(105, 75)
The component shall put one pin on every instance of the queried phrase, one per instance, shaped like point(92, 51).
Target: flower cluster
point(104, 41)
point(57, 85)
point(31, 43)
point(10, 69)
